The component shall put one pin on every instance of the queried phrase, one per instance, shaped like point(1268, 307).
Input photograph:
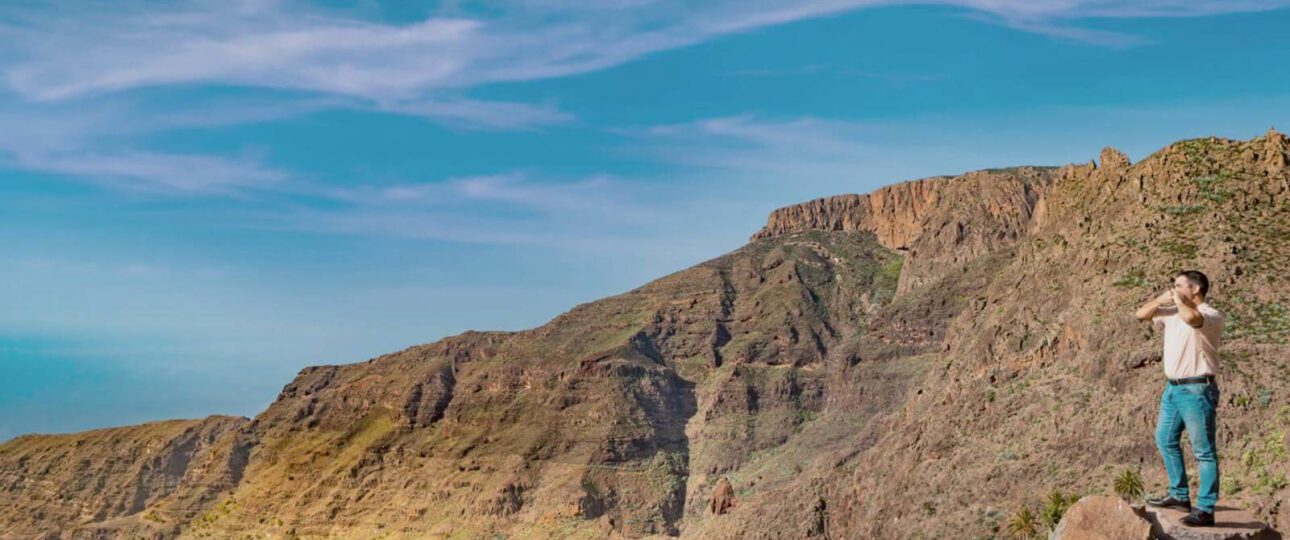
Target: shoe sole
point(1183, 508)
point(1168, 505)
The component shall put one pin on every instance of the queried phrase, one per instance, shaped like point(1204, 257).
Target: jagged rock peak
point(1276, 141)
point(1113, 159)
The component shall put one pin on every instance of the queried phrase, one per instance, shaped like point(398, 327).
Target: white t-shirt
point(1190, 351)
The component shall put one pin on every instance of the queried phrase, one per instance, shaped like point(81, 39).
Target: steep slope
point(608, 418)
point(912, 363)
point(111, 482)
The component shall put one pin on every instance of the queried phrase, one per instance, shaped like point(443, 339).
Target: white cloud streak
point(60, 140)
point(513, 208)
point(799, 148)
point(294, 46)
point(157, 172)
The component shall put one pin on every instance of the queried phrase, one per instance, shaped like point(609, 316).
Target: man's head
point(1191, 283)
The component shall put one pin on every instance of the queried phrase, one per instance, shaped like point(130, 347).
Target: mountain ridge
point(822, 368)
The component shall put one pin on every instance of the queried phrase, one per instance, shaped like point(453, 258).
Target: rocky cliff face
point(934, 221)
point(893, 213)
point(915, 362)
point(107, 483)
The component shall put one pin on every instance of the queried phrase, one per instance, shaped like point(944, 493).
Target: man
point(1192, 331)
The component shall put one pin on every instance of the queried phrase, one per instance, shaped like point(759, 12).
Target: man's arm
point(1188, 313)
point(1149, 309)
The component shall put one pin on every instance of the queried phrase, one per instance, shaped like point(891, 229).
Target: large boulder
point(1098, 517)
point(723, 497)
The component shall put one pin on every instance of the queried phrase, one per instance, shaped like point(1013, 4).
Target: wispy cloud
point(891, 78)
point(157, 173)
point(1076, 9)
point(602, 195)
point(798, 148)
point(753, 164)
point(480, 114)
point(512, 208)
point(334, 56)
point(291, 45)
point(1061, 18)
point(95, 146)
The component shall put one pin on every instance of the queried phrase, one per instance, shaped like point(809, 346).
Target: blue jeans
point(1194, 407)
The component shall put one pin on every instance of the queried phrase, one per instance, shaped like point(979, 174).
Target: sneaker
point(1169, 502)
point(1198, 518)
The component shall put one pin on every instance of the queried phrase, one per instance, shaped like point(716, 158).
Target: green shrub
point(1128, 485)
point(1023, 524)
point(1131, 279)
point(1263, 322)
point(1211, 188)
point(1055, 506)
point(1181, 250)
point(1265, 398)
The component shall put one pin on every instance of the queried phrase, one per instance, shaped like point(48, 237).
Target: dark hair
point(1197, 278)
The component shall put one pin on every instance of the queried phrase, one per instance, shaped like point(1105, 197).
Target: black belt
point(1193, 380)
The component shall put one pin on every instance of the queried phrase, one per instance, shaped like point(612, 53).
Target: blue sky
point(199, 198)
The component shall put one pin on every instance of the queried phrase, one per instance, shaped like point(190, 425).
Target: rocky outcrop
point(892, 213)
point(896, 214)
point(1098, 517)
point(941, 222)
point(723, 497)
point(1229, 524)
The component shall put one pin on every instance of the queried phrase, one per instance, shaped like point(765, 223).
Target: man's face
point(1184, 287)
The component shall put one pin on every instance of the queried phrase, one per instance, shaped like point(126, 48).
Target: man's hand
point(1149, 309)
point(1187, 309)
point(1183, 299)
